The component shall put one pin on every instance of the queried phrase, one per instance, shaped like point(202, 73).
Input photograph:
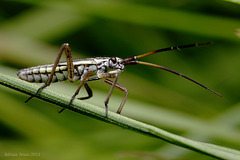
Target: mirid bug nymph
point(92, 69)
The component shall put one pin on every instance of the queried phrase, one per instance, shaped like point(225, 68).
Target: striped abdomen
point(40, 74)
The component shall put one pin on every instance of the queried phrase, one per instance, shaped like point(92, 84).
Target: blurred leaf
point(98, 113)
point(234, 1)
point(31, 33)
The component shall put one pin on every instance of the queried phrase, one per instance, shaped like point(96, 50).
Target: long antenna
point(177, 73)
point(172, 48)
point(132, 61)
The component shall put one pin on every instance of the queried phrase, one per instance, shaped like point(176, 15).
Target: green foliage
point(31, 33)
point(234, 1)
point(119, 120)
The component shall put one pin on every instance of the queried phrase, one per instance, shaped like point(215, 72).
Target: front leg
point(110, 93)
point(112, 74)
point(121, 88)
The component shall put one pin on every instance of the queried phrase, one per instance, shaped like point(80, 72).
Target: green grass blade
point(234, 1)
point(119, 120)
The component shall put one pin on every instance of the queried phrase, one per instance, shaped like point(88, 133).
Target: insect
point(92, 69)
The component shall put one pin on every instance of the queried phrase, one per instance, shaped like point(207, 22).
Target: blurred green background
point(31, 33)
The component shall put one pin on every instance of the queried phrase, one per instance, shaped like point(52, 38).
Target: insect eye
point(113, 59)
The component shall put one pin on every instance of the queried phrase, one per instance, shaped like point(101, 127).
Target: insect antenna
point(133, 61)
point(177, 73)
point(172, 48)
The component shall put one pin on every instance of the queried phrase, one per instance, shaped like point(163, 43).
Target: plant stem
point(118, 120)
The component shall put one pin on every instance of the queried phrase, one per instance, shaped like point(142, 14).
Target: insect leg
point(110, 93)
point(88, 89)
point(68, 53)
point(83, 80)
point(121, 88)
point(89, 92)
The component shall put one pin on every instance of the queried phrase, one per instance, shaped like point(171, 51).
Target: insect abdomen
point(40, 74)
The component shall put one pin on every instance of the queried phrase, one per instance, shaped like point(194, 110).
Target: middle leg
point(83, 80)
point(88, 89)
